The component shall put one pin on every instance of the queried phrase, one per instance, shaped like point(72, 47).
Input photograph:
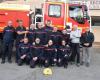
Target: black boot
point(10, 61)
point(3, 61)
point(32, 64)
point(20, 62)
point(65, 64)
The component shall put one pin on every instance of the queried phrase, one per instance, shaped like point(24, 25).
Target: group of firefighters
point(46, 45)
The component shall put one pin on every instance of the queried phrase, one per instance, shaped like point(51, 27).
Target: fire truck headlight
point(27, 14)
point(6, 13)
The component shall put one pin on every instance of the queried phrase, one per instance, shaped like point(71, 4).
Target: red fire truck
point(62, 14)
point(13, 12)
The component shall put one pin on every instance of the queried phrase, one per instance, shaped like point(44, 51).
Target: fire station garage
point(95, 18)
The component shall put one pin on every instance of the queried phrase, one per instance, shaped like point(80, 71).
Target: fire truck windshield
point(54, 10)
point(76, 13)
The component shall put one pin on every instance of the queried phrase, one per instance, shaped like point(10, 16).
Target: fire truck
point(14, 12)
point(63, 14)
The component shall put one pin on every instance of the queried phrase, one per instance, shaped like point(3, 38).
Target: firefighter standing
point(31, 33)
point(21, 31)
point(8, 39)
point(66, 36)
point(41, 34)
point(48, 26)
point(55, 36)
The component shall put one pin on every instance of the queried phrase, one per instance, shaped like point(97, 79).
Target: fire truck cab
point(62, 14)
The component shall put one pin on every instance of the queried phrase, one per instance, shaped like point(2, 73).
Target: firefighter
point(75, 44)
point(21, 31)
point(48, 26)
point(31, 33)
point(55, 36)
point(41, 34)
point(24, 52)
point(8, 39)
point(66, 36)
point(37, 51)
point(63, 54)
point(50, 54)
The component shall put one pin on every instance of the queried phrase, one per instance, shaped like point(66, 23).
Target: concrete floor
point(14, 72)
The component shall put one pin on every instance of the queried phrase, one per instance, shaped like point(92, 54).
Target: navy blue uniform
point(19, 38)
point(66, 37)
point(42, 35)
point(31, 35)
point(24, 49)
point(50, 55)
point(63, 55)
point(37, 50)
point(55, 37)
point(8, 39)
point(48, 28)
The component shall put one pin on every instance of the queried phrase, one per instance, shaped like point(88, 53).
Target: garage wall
point(96, 31)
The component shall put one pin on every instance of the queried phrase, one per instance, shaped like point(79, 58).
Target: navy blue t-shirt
point(19, 37)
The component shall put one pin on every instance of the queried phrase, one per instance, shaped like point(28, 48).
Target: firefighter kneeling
point(37, 51)
point(63, 55)
point(47, 56)
point(24, 52)
point(50, 54)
